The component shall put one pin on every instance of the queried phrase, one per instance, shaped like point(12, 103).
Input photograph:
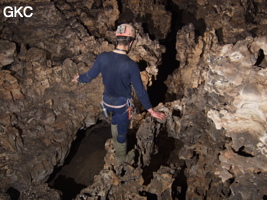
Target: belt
point(111, 106)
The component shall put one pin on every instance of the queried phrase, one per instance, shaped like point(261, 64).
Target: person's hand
point(158, 115)
point(75, 78)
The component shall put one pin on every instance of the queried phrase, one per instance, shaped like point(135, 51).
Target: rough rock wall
point(151, 13)
point(219, 125)
point(220, 120)
point(244, 117)
point(224, 85)
point(41, 109)
point(232, 20)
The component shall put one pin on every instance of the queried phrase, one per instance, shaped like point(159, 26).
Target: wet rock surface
point(213, 143)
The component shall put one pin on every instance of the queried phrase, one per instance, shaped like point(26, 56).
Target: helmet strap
point(127, 41)
point(129, 47)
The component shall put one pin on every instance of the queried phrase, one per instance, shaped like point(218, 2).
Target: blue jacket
point(118, 73)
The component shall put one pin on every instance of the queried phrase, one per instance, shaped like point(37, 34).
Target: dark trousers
point(119, 116)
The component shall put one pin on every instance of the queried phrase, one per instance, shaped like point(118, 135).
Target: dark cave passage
point(158, 90)
point(13, 193)
point(85, 160)
point(164, 146)
point(179, 185)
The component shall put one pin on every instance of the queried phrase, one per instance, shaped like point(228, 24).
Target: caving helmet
point(125, 30)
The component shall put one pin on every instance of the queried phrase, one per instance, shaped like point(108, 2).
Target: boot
point(120, 148)
point(114, 132)
point(120, 153)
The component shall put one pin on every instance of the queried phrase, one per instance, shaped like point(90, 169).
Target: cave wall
point(225, 98)
point(41, 109)
point(217, 114)
point(216, 109)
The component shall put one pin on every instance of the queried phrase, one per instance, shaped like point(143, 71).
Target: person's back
point(116, 71)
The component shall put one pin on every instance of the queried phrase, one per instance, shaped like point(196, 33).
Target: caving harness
point(130, 108)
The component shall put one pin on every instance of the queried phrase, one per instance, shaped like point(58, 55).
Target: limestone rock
point(216, 118)
point(234, 20)
point(145, 141)
point(232, 99)
point(7, 52)
point(41, 109)
point(161, 183)
point(154, 12)
point(10, 88)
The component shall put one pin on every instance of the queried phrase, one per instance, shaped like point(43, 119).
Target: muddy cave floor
point(86, 159)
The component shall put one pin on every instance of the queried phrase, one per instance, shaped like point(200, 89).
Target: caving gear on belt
point(130, 108)
point(105, 112)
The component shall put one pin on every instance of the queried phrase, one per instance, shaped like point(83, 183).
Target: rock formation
point(213, 143)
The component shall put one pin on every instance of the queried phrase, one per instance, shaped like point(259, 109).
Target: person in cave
point(118, 73)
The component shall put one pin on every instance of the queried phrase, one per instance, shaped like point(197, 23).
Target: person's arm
point(142, 93)
point(75, 78)
point(156, 114)
point(89, 75)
